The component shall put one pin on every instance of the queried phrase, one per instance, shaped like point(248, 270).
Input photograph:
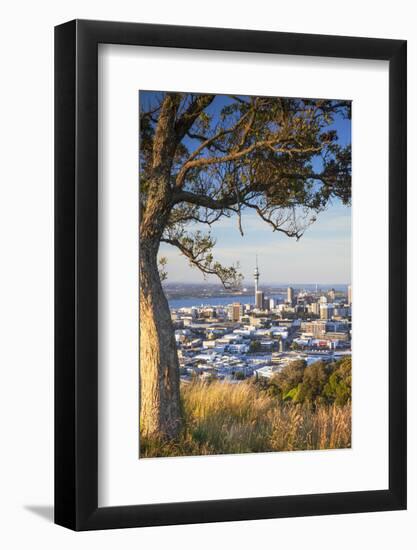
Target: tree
point(314, 380)
point(339, 386)
point(203, 157)
point(288, 378)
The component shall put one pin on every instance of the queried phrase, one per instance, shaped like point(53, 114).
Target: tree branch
point(277, 225)
point(201, 137)
point(190, 115)
point(271, 144)
point(198, 251)
point(194, 213)
point(214, 138)
point(204, 200)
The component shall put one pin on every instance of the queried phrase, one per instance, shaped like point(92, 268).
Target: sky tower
point(259, 295)
point(256, 276)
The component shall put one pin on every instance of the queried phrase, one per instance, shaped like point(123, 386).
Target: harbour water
point(216, 301)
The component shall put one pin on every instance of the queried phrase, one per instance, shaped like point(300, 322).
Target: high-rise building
point(326, 311)
point(332, 295)
point(259, 299)
point(235, 312)
point(290, 295)
point(271, 303)
point(350, 295)
point(315, 308)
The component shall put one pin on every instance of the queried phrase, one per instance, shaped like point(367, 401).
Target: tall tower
point(256, 276)
point(290, 295)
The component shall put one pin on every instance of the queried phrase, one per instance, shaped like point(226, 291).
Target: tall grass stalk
point(224, 418)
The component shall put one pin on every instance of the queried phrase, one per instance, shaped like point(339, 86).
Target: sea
point(217, 300)
point(196, 301)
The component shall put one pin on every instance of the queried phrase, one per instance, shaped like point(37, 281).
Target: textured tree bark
point(160, 413)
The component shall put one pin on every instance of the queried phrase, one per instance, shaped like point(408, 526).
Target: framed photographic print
point(230, 275)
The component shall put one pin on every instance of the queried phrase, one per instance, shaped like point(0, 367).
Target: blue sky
point(322, 255)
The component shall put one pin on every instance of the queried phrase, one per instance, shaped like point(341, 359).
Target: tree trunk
point(160, 413)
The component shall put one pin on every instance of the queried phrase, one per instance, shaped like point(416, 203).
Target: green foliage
point(314, 379)
point(287, 379)
point(339, 385)
point(293, 395)
point(321, 382)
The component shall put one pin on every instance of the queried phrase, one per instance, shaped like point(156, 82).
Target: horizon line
point(252, 284)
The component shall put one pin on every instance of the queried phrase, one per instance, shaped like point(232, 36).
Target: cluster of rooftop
point(235, 340)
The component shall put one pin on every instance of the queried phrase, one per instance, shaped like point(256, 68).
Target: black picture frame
point(76, 272)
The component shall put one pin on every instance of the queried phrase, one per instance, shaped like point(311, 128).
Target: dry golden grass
point(222, 418)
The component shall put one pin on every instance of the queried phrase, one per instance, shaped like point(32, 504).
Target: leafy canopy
point(279, 157)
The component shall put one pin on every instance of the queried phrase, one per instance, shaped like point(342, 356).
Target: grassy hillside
point(220, 418)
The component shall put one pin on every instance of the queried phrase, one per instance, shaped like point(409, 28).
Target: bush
point(314, 379)
point(287, 379)
point(339, 386)
point(321, 382)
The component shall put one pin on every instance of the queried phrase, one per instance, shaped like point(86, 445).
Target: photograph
point(205, 264)
point(245, 274)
